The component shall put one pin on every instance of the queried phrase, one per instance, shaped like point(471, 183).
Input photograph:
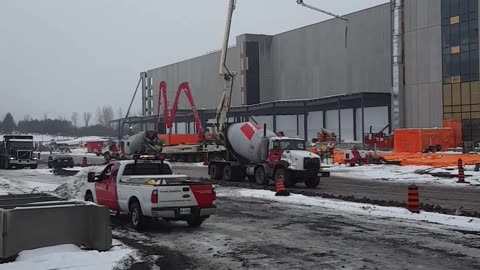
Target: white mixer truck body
point(261, 155)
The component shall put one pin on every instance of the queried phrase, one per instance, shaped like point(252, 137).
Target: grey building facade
point(439, 38)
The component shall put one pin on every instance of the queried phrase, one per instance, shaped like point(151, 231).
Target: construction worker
point(314, 149)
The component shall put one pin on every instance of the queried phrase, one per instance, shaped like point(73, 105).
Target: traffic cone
point(280, 188)
point(461, 172)
point(413, 203)
point(84, 162)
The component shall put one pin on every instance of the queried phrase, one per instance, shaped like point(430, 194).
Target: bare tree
point(86, 118)
point(75, 119)
point(108, 115)
point(99, 117)
point(120, 113)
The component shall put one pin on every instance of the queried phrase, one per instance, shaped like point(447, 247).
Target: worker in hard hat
point(314, 149)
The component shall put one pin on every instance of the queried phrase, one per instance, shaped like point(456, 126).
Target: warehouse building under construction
point(407, 63)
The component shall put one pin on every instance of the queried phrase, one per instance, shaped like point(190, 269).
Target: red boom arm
point(169, 119)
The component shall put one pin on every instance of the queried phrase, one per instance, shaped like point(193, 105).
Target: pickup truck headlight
point(12, 158)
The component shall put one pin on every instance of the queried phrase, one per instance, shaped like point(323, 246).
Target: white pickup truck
point(148, 188)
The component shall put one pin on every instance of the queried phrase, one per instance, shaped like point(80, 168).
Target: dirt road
point(256, 234)
point(376, 191)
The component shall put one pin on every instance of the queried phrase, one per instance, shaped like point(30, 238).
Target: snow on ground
point(403, 174)
point(44, 137)
point(70, 257)
point(27, 181)
point(460, 222)
point(82, 140)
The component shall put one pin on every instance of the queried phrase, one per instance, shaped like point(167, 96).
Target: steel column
point(339, 120)
point(355, 124)
point(305, 121)
point(363, 119)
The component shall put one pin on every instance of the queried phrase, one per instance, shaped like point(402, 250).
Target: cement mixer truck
point(142, 143)
point(254, 151)
point(261, 155)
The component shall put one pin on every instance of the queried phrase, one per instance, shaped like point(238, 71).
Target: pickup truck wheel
point(107, 156)
point(195, 221)
point(33, 166)
point(285, 175)
point(89, 197)
point(136, 216)
point(312, 182)
point(260, 177)
point(214, 172)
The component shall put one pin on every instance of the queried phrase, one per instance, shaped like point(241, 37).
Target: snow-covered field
point(458, 222)
point(404, 174)
point(72, 257)
point(63, 139)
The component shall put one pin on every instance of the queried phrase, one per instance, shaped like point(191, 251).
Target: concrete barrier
point(30, 221)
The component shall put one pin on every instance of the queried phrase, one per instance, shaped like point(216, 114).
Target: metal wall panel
point(423, 56)
point(312, 61)
point(202, 75)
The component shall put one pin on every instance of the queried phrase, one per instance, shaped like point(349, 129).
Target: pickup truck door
point(101, 185)
point(106, 189)
point(112, 197)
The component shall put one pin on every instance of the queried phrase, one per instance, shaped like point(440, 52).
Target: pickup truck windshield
point(147, 169)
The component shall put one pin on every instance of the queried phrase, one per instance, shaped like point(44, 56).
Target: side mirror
point(91, 177)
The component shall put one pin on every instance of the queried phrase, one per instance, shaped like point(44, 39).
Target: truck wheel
point(214, 172)
point(136, 216)
point(195, 221)
point(312, 182)
point(33, 166)
point(89, 197)
point(285, 175)
point(107, 156)
point(228, 173)
point(260, 177)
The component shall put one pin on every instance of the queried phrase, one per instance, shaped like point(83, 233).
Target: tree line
point(77, 125)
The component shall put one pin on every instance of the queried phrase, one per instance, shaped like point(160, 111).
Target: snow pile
point(74, 187)
point(461, 222)
point(69, 256)
point(402, 174)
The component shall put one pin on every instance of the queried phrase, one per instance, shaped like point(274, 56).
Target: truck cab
point(149, 188)
point(17, 151)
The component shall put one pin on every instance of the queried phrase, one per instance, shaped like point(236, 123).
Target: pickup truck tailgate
point(185, 194)
point(204, 194)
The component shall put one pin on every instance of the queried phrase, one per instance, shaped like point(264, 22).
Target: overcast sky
point(59, 56)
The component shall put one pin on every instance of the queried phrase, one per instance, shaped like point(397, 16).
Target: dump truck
point(17, 151)
point(261, 155)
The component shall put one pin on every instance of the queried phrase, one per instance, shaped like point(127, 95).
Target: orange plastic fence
point(415, 140)
point(418, 159)
point(456, 125)
point(432, 159)
point(176, 139)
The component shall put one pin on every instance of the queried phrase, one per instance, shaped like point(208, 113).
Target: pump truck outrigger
point(254, 151)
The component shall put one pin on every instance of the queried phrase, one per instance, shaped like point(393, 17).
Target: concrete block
point(39, 224)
